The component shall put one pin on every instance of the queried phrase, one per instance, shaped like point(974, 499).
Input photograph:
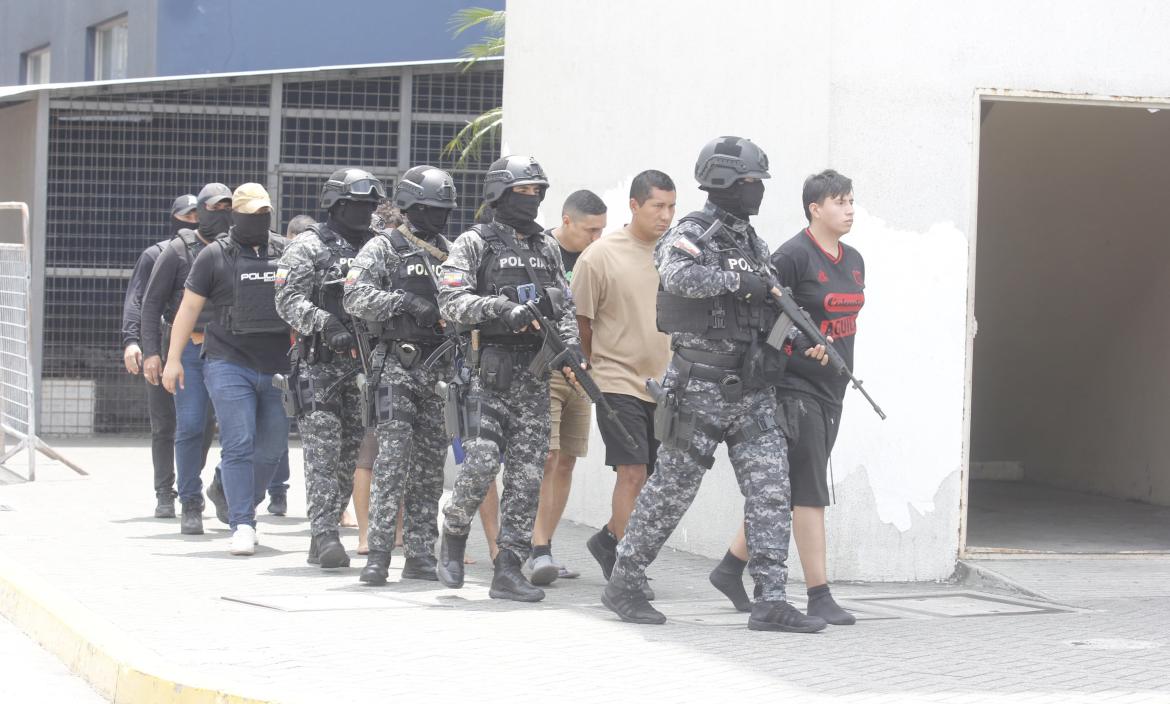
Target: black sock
point(538, 550)
point(732, 564)
point(608, 539)
point(820, 592)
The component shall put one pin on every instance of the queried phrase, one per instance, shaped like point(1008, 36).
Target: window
point(36, 66)
point(110, 49)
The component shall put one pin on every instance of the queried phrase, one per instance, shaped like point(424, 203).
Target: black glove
point(336, 336)
point(752, 287)
point(515, 316)
point(425, 313)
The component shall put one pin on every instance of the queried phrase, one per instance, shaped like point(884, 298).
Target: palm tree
point(485, 129)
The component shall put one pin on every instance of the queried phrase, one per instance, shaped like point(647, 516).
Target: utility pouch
point(495, 368)
point(408, 354)
point(471, 412)
point(732, 388)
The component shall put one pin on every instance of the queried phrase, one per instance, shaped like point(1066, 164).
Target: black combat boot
point(377, 568)
point(331, 552)
point(314, 557)
point(278, 503)
point(630, 603)
point(782, 616)
point(420, 567)
point(165, 507)
point(219, 499)
point(449, 569)
point(192, 521)
point(822, 604)
point(509, 582)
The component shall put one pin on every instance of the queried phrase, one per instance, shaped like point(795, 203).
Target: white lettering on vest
point(511, 262)
point(267, 276)
point(739, 263)
point(416, 270)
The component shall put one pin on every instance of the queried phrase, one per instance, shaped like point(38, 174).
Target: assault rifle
point(556, 355)
point(793, 314)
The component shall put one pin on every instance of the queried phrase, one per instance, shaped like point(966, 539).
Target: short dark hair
point(583, 203)
point(648, 180)
point(826, 184)
point(299, 224)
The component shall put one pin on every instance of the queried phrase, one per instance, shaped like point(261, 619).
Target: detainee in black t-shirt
point(244, 346)
point(827, 279)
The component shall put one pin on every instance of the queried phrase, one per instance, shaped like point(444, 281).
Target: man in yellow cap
point(246, 343)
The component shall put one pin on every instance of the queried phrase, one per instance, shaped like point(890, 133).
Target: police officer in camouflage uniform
point(309, 297)
point(391, 283)
point(713, 300)
point(492, 270)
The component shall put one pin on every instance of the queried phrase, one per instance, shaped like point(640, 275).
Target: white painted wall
point(884, 92)
point(1070, 376)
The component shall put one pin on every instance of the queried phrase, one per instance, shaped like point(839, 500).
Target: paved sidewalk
point(272, 628)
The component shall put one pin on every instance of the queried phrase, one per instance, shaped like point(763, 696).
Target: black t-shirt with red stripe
point(831, 287)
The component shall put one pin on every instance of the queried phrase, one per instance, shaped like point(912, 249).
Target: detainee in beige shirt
point(615, 288)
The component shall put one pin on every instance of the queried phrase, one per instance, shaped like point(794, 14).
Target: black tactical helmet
point(351, 184)
point(211, 194)
point(512, 171)
point(425, 185)
point(725, 160)
point(183, 204)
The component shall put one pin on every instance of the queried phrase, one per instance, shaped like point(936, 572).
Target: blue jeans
point(253, 434)
point(192, 405)
point(279, 483)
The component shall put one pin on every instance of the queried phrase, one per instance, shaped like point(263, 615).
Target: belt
point(726, 362)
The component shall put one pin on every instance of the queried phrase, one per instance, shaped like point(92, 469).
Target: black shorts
point(637, 417)
point(810, 426)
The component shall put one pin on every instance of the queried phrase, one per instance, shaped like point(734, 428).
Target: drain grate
point(957, 605)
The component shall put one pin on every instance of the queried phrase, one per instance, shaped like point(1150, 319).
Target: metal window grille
point(119, 154)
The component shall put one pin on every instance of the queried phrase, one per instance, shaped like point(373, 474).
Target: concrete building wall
point(1069, 362)
point(63, 25)
point(17, 154)
point(885, 93)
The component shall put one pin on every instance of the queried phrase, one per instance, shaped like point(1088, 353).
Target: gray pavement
point(273, 628)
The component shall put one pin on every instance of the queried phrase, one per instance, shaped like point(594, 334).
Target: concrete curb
point(977, 576)
point(117, 667)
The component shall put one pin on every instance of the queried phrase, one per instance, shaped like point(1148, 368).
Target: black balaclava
point(250, 229)
point(212, 223)
point(519, 210)
point(428, 219)
point(177, 224)
point(351, 220)
point(742, 199)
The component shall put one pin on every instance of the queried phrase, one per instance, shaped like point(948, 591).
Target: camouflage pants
point(330, 437)
point(521, 415)
point(761, 469)
point(412, 448)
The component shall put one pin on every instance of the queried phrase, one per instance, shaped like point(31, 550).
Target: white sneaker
point(243, 540)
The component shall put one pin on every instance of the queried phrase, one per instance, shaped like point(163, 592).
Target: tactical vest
point(253, 307)
point(722, 317)
point(411, 276)
point(329, 291)
point(502, 273)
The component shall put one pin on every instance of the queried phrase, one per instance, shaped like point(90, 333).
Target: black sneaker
point(219, 499)
point(278, 504)
point(165, 507)
point(605, 555)
point(192, 521)
point(782, 616)
point(631, 605)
